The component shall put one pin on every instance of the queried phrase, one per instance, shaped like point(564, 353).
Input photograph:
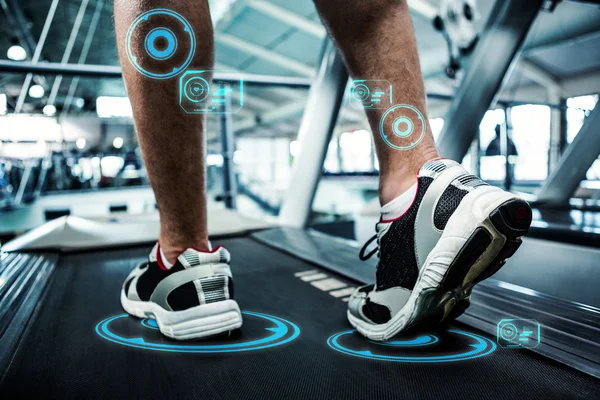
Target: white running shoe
point(191, 300)
point(458, 231)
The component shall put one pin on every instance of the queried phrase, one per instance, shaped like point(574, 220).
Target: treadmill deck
point(65, 353)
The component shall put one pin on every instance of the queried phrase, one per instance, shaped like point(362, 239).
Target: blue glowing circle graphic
point(403, 119)
point(481, 347)
point(149, 323)
point(172, 43)
point(409, 127)
point(424, 340)
point(282, 331)
point(153, 36)
point(196, 89)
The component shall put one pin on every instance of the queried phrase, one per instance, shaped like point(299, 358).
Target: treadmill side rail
point(24, 277)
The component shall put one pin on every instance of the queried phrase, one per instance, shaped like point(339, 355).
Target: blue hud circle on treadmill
point(424, 340)
point(278, 331)
point(479, 346)
point(153, 37)
point(408, 127)
point(149, 323)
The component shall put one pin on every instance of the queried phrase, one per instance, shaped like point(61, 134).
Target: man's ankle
point(171, 250)
point(390, 188)
point(395, 182)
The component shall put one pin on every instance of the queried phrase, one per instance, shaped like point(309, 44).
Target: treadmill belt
point(294, 344)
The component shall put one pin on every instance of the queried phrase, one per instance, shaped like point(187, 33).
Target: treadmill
point(64, 335)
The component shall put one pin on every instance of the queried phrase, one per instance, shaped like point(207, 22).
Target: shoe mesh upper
point(446, 205)
point(397, 263)
point(183, 297)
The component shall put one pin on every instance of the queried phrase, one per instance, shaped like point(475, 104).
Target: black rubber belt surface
point(61, 357)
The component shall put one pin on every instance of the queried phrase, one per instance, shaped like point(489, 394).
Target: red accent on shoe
point(159, 258)
point(162, 265)
point(521, 213)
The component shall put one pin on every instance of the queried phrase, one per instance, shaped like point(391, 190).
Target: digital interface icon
point(451, 346)
point(514, 333)
point(261, 331)
point(402, 127)
point(168, 47)
point(371, 94)
point(197, 95)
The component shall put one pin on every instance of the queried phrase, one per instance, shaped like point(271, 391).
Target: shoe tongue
point(436, 167)
point(191, 257)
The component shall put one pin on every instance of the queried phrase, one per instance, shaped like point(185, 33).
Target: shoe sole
point(194, 323)
point(513, 234)
point(442, 292)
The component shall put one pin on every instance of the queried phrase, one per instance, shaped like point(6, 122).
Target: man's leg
point(173, 143)
point(377, 41)
point(184, 285)
point(441, 229)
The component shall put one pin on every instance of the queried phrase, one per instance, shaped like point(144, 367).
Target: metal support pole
point(558, 134)
point(227, 149)
point(372, 159)
point(68, 50)
point(340, 158)
point(505, 148)
point(36, 56)
point(89, 37)
point(574, 163)
point(563, 126)
point(113, 71)
point(497, 49)
point(23, 184)
point(475, 152)
point(44, 166)
point(556, 130)
point(318, 122)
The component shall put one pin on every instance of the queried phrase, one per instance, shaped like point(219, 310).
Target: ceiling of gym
point(284, 37)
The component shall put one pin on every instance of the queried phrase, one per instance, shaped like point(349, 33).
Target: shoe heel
point(512, 218)
point(201, 321)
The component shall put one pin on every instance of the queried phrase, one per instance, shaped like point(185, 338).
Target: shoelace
point(362, 256)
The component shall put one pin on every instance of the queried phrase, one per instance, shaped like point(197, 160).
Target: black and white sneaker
point(192, 299)
point(457, 232)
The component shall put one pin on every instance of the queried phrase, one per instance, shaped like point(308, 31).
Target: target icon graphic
point(169, 43)
point(196, 89)
point(272, 331)
point(509, 332)
point(402, 127)
point(420, 349)
point(361, 92)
